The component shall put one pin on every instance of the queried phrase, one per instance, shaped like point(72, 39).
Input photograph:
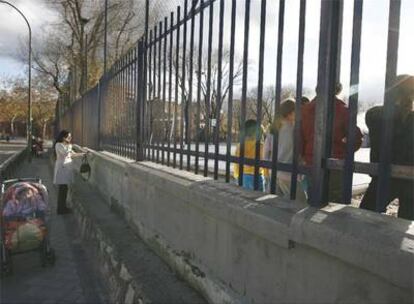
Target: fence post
point(98, 139)
point(324, 113)
point(385, 156)
point(82, 100)
point(141, 89)
point(140, 106)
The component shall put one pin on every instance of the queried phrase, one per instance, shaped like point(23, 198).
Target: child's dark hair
point(250, 128)
point(304, 100)
point(286, 108)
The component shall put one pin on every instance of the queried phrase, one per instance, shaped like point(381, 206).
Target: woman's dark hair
point(286, 108)
point(61, 136)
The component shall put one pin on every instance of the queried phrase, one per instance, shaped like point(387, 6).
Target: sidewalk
point(8, 149)
point(73, 279)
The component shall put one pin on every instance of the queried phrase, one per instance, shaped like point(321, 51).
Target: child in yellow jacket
point(250, 152)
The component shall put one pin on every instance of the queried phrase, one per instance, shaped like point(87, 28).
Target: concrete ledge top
point(380, 244)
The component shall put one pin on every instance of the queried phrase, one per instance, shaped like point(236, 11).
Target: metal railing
point(9, 167)
point(164, 100)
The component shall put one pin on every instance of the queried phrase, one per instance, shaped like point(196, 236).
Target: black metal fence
point(172, 99)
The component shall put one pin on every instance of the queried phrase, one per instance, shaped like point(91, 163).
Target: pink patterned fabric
point(24, 199)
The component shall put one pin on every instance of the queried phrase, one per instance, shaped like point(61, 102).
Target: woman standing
point(63, 175)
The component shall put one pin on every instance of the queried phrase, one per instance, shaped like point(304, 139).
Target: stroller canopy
point(23, 199)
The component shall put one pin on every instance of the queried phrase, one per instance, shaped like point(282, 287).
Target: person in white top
point(63, 174)
point(284, 125)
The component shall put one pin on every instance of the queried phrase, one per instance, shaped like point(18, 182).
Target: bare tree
point(77, 41)
point(50, 59)
point(268, 101)
point(211, 102)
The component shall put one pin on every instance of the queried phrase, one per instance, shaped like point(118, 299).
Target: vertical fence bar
point(154, 94)
point(159, 102)
point(384, 168)
point(199, 71)
point(116, 101)
point(324, 112)
point(122, 102)
point(129, 113)
point(260, 95)
point(146, 80)
point(115, 106)
point(244, 90)
point(104, 110)
point(132, 101)
point(82, 107)
point(189, 103)
point(298, 106)
point(109, 110)
point(230, 99)
point(218, 94)
point(100, 89)
point(119, 104)
point(208, 89)
point(164, 98)
point(170, 72)
point(135, 137)
point(127, 106)
point(184, 101)
point(278, 92)
point(148, 110)
point(122, 105)
point(353, 101)
point(114, 135)
point(177, 75)
point(104, 123)
point(140, 97)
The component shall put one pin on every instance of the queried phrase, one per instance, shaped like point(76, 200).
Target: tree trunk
point(44, 130)
point(12, 125)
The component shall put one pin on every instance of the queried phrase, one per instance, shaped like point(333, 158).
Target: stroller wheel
point(43, 253)
point(48, 256)
point(51, 257)
point(6, 263)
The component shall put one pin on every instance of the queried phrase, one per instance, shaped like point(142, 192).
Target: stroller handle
point(24, 179)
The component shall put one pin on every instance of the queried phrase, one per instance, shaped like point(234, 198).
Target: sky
point(13, 33)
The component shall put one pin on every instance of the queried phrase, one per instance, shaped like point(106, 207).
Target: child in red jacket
point(340, 132)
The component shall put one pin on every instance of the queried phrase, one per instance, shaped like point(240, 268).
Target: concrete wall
point(236, 246)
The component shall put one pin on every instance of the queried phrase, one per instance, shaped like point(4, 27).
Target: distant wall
point(237, 246)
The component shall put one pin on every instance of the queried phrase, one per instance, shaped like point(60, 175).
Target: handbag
point(85, 167)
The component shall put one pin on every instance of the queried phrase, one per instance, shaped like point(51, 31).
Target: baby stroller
point(24, 225)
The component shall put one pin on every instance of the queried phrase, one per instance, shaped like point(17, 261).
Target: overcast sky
point(13, 30)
